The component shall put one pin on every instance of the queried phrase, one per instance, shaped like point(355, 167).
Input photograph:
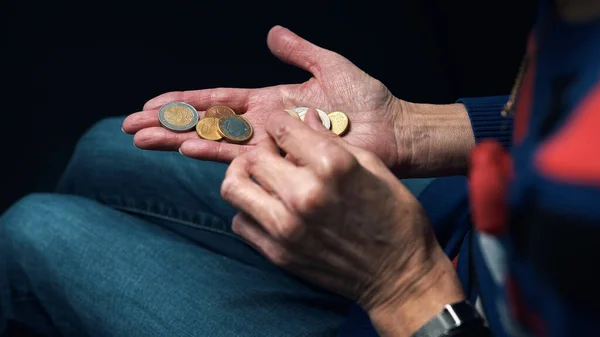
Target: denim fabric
point(138, 243)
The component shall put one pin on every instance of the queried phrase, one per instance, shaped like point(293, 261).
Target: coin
point(178, 116)
point(207, 128)
point(235, 129)
point(292, 113)
point(301, 111)
point(219, 111)
point(339, 122)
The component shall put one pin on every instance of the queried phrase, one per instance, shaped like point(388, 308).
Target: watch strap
point(451, 318)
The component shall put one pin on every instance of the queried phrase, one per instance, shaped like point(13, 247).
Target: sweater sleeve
point(486, 120)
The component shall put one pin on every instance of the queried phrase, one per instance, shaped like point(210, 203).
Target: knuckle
point(311, 198)
point(292, 46)
point(367, 157)
point(288, 229)
point(215, 96)
point(220, 152)
point(280, 131)
point(156, 102)
point(296, 48)
point(251, 159)
point(228, 187)
point(173, 96)
point(336, 162)
point(278, 255)
point(315, 67)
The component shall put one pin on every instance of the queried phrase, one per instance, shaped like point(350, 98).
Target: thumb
point(314, 121)
point(291, 48)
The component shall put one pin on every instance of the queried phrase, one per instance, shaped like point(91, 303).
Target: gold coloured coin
point(178, 116)
point(235, 129)
point(339, 122)
point(292, 113)
point(219, 111)
point(207, 128)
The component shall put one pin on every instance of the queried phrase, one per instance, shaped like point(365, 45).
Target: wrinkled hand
point(336, 84)
point(335, 215)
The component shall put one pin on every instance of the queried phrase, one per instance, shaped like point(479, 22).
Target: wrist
point(419, 302)
point(432, 139)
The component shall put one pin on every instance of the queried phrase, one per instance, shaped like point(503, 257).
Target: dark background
point(68, 64)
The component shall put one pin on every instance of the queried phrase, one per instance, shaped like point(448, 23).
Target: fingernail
point(313, 120)
point(123, 130)
point(181, 152)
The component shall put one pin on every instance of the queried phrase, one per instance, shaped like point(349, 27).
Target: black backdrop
point(67, 64)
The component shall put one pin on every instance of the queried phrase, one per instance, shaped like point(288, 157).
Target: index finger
point(235, 98)
point(213, 151)
point(308, 147)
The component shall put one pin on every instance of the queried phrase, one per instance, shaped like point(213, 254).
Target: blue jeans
point(138, 243)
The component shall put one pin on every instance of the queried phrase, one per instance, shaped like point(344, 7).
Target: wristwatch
point(454, 317)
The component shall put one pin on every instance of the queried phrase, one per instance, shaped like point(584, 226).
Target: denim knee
point(108, 168)
point(30, 224)
point(103, 138)
point(27, 232)
point(104, 134)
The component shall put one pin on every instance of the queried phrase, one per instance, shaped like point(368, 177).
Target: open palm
point(336, 84)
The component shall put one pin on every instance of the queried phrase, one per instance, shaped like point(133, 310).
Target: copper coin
point(207, 128)
point(219, 111)
point(178, 116)
point(235, 129)
point(339, 122)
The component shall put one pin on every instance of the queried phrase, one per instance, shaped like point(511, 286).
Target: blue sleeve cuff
point(486, 120)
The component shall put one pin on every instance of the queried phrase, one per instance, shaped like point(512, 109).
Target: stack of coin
point(221, 122)
point(336, 121)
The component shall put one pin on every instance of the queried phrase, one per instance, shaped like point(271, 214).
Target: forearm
point(437, 139)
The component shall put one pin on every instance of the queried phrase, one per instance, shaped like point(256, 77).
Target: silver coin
point(185, 121)
point(301, 111)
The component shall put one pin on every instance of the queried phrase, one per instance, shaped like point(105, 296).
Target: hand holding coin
point(336, 216)
point(336, 85)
